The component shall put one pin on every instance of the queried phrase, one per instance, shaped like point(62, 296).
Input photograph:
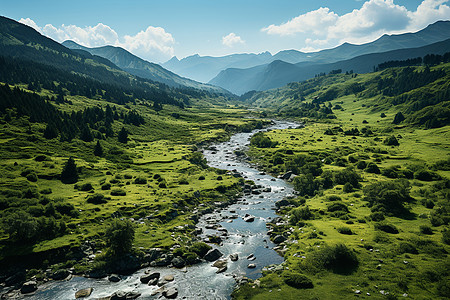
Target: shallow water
point(201, 281)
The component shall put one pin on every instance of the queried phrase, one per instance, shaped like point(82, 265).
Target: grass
point(383, 264)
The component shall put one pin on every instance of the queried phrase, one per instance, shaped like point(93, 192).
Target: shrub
point(388, 228)
point(200, 248)
point(377, 216)
point(306, 184)
point(197, 158)
point(347, 175)
point(338, 259)
point(446, 236)
point(425, 229)
point(337, 206)
point(297, 280)
point(32, 177)
point(334, 198)
point(345, 230)
point(299, 214)
point(260, 140)
point(405, 247)
point(391, 141)
point(118, 192)
point(140, 180)
point(304, 164)
point(361, 165)
point(86, 187)
point(348, 187)
point(426, 175)
point(46, 191)
point(389, 195)
point(96, 199)
point(119, 236)
point(372, 168)
point(106, 186)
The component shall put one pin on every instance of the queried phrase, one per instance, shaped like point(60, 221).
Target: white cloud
point(232, 39)
point(153, 44)
point(374, 18)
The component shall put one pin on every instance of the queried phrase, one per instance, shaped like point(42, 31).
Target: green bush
point(118, 192)
point(299, 214)
point(446, 236)
point(426, 175)
point(425, 229)
point(69, 173)
point(96, 199)
point(32, 177)
point(389, 195)
point(338, 259)
point(361, 165)
point(337, 206)
point(297, 280)
point(86, 187)
point(372, 168)
point(348, 188)
point(405, 247)
point(345, 230)
point(388, 228)
point(260, 140)
point(200, 248)
point(391, 141)
point(140, 180)
point(106, 186)
point(377, 216)
point(119, 236)
point(334, 198)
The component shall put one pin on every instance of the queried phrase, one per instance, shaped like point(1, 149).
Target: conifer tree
point(98, 150)
point(69, 173)
point(123, 136)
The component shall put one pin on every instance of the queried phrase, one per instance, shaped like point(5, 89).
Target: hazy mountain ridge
point(142, 68)
point(204, 68)
point(277, 74)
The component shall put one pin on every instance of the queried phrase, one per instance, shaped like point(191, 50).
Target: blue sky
point(156, 30)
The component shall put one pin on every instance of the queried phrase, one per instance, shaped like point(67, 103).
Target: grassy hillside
point(371, 217)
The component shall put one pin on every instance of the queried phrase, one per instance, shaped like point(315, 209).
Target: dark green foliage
point(361, 165)
point(300, 214)
point(297, 280)
point(197, 158)
point(69, 173)
point(345, 230)
point(425, 229)
point(85, 187)
point(334, 198)
point(119, 236)
point(348, 187)
point(50, 131)
point(389, 195)
point(372, 168)
point(118, 192)
point(399, 117)
point(200, 248)
point(339, 259)
point(96, 199)
point(278, 158)
point(426, 175)
point(32, 177)
point(98, 150)
point(446, 236)
point(106, 186)
point(260, 140)
point(306, 184)
point(122, 137)
point(337, 206)
point(388, 228)
point(405, 247)
point(304, 164)
point(20, 226)
point(391, 141)
point(140, 180)
point(65, 208)
point(347, 175)
point(86, 134)
point(377, 216)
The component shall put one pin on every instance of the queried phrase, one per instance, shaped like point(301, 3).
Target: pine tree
point(69, 173)
point(98, 150)
point(399, 117)
point(123, 136)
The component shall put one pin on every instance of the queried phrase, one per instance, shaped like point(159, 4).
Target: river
point(244, 238)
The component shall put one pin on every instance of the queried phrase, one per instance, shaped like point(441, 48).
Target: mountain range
point(142, 68)
point(205, 68)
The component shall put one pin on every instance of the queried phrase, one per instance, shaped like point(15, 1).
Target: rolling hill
point(142, 68)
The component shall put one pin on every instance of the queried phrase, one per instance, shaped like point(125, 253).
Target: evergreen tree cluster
point(428, 60)
point(87, 124)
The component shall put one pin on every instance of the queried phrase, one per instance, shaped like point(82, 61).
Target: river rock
point(114, 278)
point(213, 255)
point(178, 262)
point(153, 281)
point(169, 278)
point(147, 277)
point(28, 287)
point(249, 218)
point(251, 266)
point(251, 257)
point(60, 274)
point(279, 239)
point(83, 293)
point(170, 293)
point(220, 263)
point(221, 270)
point(234, 257)
point(286, 175)
point(119, 295)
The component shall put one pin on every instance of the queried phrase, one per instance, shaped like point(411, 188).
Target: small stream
point(244, 238)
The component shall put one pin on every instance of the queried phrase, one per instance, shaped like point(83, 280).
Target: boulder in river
point(251, 266)
point(170, 293)
point(60, 274)
point(249, 218)
point(220, 263)
point(234, 257)
point(114, 278)
point(178, 262)
point(119, 295)
point(279, 239)
point(213, 255)
point(28, 287)
point(83, 293)
point(147, 277)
